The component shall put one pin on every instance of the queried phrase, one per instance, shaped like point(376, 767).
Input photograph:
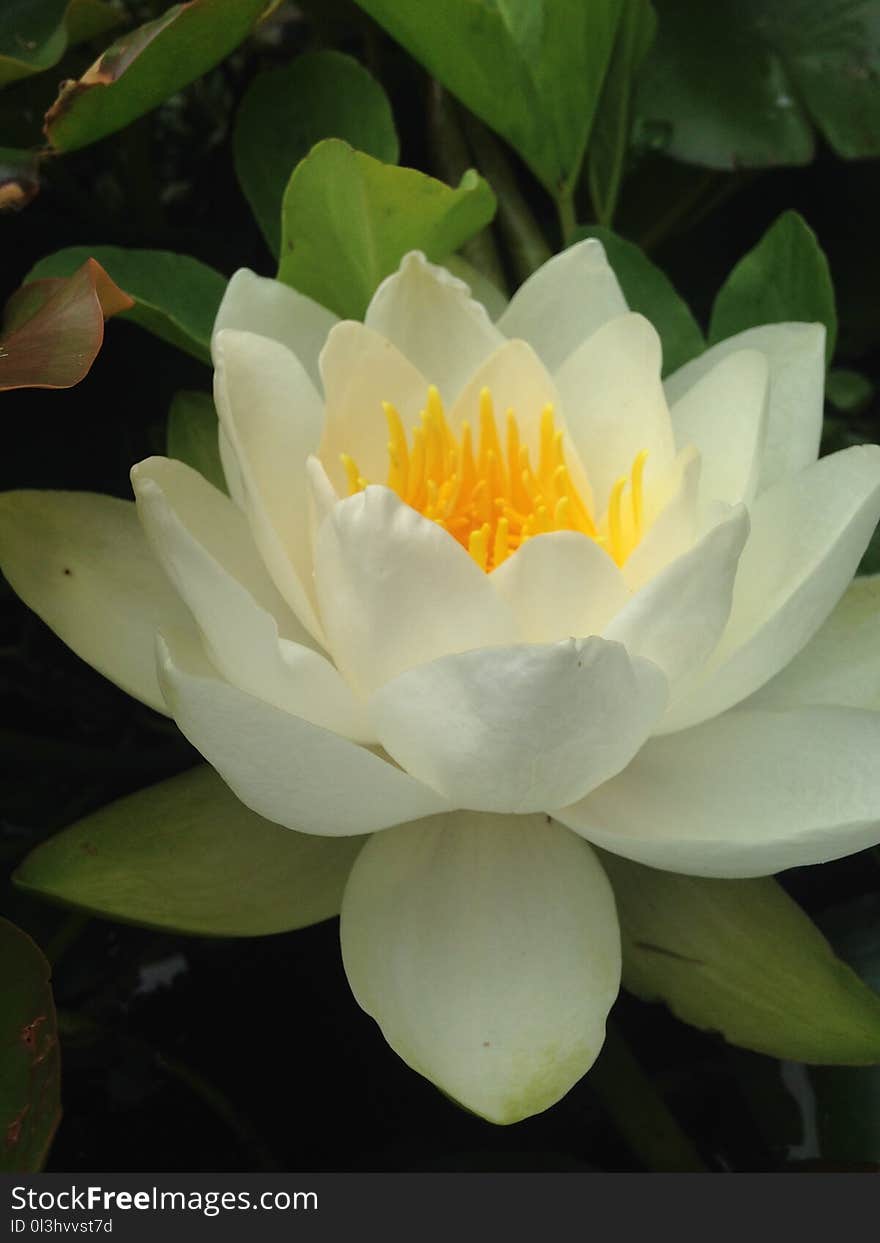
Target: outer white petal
point(272, 415)
point(724, 416)
point(269, 308)
point(796, 354)
point(281, 766)
point(361, 370)
point(559, 586)
point(488, 951)
point(481, 287)
point(565, 302)
point(520, 728)
point(841, 663)
point(808, 535)
point(203, 542)
point(747, 794)
point(81, 562)
point(677, 619)
point(396, 590)
point(432, 319)
point(231, 469)
point(674, 518)
point(614, 405)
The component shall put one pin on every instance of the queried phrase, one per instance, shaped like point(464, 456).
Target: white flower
point(493, 635)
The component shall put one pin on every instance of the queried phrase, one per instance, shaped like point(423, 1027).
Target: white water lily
point(490, 592)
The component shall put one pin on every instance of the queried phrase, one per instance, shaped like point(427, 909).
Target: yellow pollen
point(488, 496)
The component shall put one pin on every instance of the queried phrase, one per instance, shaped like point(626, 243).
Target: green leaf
point(19, 177)
point(33, 37)
point(609, 143)
point(191, 435)
point(531, 69)
point(785, 277)
point(648, 290)
point(30, 1072)
point(348, 220)
point(145, 66)
point(739, 83)
point(849, 391)
point(175, 297)
point(286, 111)
point(741, 958)
point(187, 855)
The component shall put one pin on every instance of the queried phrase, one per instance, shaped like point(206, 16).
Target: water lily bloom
point(486, 590)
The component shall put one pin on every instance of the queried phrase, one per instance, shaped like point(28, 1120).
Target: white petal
point(518, 381)
point(565, 302)
point(269, 308)
point(432, 319)
point(724, 416)
point(479, 286)
point(559, 586)
point(520, 728)
point(231, 469)
point(747, 794)
point(81, 562)
point(614, 405)
point(677, 619)
point(270, 411)
point(841, 663)
point(796, 354)
point(361, 370)
point(808, 535)
point(279, 765)
point(396, 590)
point(203, 542)
point(487, 949)
point(673, 514)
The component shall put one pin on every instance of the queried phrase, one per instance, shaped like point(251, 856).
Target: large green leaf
point(175, 297)
point(34, 34)
point(785, 277)
point(609, 143)
point(737, 83)
point(30, 1073)
point(649, 290)
point(286, 111)
point(739, 957)
point(145, 66)
point(348, 219)
point(191, 435)
point(187, 855)
point(531, 69)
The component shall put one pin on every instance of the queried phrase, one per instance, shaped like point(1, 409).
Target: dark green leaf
point(648, 290)
point(192, 435)
point(286, 111)
point(739, 957)
point(849, 391)
point(187, 855)
point(531, 70)
point(33, 37)
point(175, 297)
point(348, 220)
point(145, 66)
point(785, 277)
point(30, 1072)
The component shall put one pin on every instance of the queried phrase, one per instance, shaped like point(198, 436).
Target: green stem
point(566, 213)
point(639, 1112)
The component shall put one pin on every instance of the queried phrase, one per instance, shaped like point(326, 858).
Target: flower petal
point(613, 403)
point(808, 535)
point(796, 354)
point(747, 794)
point(520, 728)
point(487, 949)
point(396, 590)
point(565, 302)
point(561, 585)
point(673, 511)
point(435, 323)
point(269, 308)
point(678, 617)
point(272, 415)
point(203, 542)
point(82, 563)
point(281, 766)
point(841, 663)
point(724, 416)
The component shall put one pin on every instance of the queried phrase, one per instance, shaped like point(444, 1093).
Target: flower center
point(488, 495)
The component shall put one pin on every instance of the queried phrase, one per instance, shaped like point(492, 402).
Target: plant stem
point(639, 1112)
point(566, 213)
